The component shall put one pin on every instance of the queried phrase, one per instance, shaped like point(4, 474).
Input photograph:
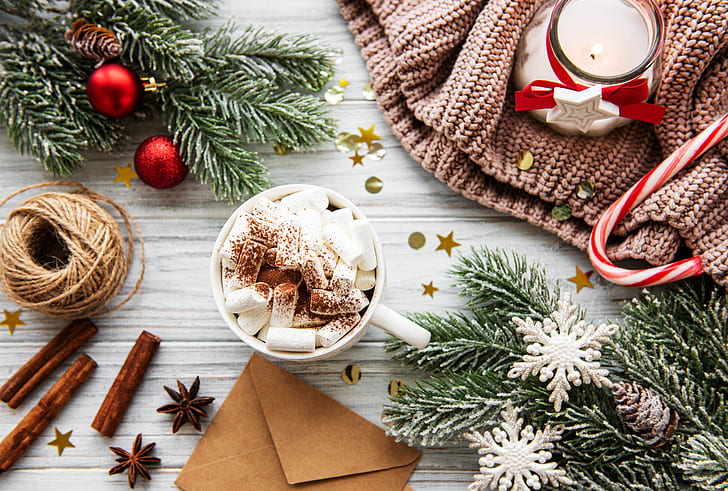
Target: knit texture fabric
point(441, 71)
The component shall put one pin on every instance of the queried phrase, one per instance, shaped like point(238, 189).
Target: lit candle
point(598, 43)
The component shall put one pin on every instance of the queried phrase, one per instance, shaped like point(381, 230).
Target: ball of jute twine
point(64, 255)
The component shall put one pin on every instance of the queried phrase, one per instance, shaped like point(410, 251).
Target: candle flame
point(596, 50)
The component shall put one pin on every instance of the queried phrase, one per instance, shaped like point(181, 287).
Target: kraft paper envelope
point(276, 432)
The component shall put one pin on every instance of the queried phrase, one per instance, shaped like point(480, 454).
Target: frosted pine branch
point(704, 461)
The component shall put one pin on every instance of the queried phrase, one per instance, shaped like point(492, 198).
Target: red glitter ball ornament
point(158, 163)
point(114, 90)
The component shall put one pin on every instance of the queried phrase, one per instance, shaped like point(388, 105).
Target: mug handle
point(399, 326)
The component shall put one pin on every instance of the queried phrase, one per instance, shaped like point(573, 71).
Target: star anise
point(136, 461)
point(187, 405)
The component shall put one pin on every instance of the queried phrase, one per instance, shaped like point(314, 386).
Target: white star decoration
point(564, 350)
point(514, 459)
point(581, 108)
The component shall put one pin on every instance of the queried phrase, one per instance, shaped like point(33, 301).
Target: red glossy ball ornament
point(158, 163)
point(114, 90)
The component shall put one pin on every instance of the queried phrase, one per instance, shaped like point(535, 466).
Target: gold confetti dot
point(368, 92)
point(347, 142)
point(525, 160)
point(585, 189)
point(561, 212)
point(374, 185)
point(351, 374)
point(334, 95)
point(376, 151)
point(281, 148)
point(395, 385)
point(416, 240)
point(343, 83)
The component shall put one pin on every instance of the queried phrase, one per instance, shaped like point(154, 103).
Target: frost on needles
point(226, 88)
point(675, 343)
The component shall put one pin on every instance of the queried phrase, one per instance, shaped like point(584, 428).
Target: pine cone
point(644, 411)
point(92, 41)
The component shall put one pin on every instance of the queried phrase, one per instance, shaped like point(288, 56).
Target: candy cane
point(654, 180)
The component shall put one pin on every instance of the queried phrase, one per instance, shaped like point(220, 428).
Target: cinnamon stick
point(125, 385)
point(38, 419)
point(50, 356)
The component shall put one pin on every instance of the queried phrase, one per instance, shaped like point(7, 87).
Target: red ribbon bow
point(628, 96)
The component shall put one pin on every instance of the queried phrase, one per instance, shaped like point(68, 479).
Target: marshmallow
point(230, 249)
point(311, 239)
point(288, 339)
point(328, 260)
point(252, 320)
point(335, 329)
point(262, 230)
point(340, 241)
point(361, 232)
point(330, 303)
point(313, 199)
point(276, 276)
point(312, 271)
point(343, 278)
point(270, 256)
point(326, 217)
point(306, 319)
point(230, 281)
point(289, 235)
point(252, 255)
point(246, 226)
point(343, 217)
point(365, 280)
point(263, 333)
point(248, 298)
point(285, 298)
point(268, 210)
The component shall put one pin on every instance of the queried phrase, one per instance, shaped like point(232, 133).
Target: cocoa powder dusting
point(251, 258)
point(277, 276)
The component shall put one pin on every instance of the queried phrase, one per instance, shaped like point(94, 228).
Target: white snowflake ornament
point(515, 459)
point(564, 350)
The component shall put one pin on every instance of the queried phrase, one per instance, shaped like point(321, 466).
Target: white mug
point(376, 313)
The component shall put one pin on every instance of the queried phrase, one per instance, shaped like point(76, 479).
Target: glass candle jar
point(597, 43)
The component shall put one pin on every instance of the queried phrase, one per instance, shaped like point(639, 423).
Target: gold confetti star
point(125, 174)
point(430, 289)
point(12, 320)
point(62, 441)
point(357, 159)
point(343, 82)
point(447, 243)
point(368, 135)
point(581, 279)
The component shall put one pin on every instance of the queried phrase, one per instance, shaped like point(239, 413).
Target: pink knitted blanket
point(441, 70)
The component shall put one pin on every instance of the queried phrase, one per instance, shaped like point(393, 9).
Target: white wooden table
point(175, 303)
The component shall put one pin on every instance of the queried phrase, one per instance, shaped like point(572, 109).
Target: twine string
point(98, 259)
